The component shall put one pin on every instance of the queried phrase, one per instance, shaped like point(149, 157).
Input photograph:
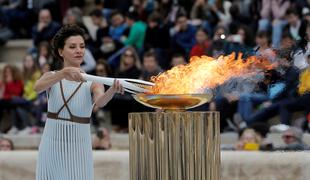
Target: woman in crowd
point(129, 67)
point(11, 87)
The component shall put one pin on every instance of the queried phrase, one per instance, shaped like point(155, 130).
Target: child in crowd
point(11, 87)
point(202, 44)
point(178, 59)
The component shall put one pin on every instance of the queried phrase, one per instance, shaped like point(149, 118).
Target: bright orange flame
point(206, 72)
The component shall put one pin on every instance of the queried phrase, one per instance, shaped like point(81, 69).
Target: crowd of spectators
point(141, 38)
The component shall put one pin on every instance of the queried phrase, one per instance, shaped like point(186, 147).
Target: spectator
point(287, 42)
point(178, 59)
point(20, 17)
point(103, 70)
point(241, 42)
point(203, 44)
point(202, 11)
point(44, 54)
point(263, 46)
point(130, 64)
point(11, 86)
point(45, 29)
point(157, 37)
point(121, 5)
point(306, 14)
point(6, 144)
point(238, 19)
point(300, 103)
point(280, 92)
point(219, 41)
point(293, 139)
point(24, 105)
point(142, 7)
point(101, 23)
point(136, 33)
point(222, 11)
point(273, 12)
point(182, 34)
point(118, 26)
point(248, 101)
point(249, 141)
point(40, 105)
point(5, 32)
point(73, 16)
point(104, 43)
point(157, 34)
point(129, 67)
point(303, 50)
point(150, 66)
point(295, 24)
point(166, 8)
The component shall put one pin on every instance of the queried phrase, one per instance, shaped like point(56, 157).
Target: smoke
point(236, 86)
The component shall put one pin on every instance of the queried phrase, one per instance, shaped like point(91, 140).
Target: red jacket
point(199, 50)
point(14, 88)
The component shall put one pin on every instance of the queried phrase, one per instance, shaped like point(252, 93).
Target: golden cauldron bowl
point(173, 101)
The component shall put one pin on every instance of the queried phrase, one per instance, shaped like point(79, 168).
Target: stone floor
point(114, 165)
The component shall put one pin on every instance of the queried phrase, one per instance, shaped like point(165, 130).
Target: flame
point(206, 72)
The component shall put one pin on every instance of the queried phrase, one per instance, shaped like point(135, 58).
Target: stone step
point(121, 141)
point(14, 50)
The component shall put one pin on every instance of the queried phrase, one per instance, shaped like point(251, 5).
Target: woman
point(65, 151)
point(11, 87)
point(129, 67)
point(44, 54)
point(130, 64)
point(24, 104)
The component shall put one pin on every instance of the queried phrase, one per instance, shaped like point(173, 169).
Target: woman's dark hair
point(203, 30)
point(106, 66)
point(96, 13)
point(264, 34)
point(62, 35)
point(248, 41)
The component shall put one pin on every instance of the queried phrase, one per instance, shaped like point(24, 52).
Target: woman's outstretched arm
point(100, 97)
point(48, 79)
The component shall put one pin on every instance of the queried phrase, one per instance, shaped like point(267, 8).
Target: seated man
point(45, 29)
point(286, 90)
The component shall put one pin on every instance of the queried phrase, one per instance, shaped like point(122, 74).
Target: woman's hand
point(117, 87)
point(72, 74)
point(101, 98)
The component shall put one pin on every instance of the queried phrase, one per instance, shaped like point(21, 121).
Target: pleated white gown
point(65, 151)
